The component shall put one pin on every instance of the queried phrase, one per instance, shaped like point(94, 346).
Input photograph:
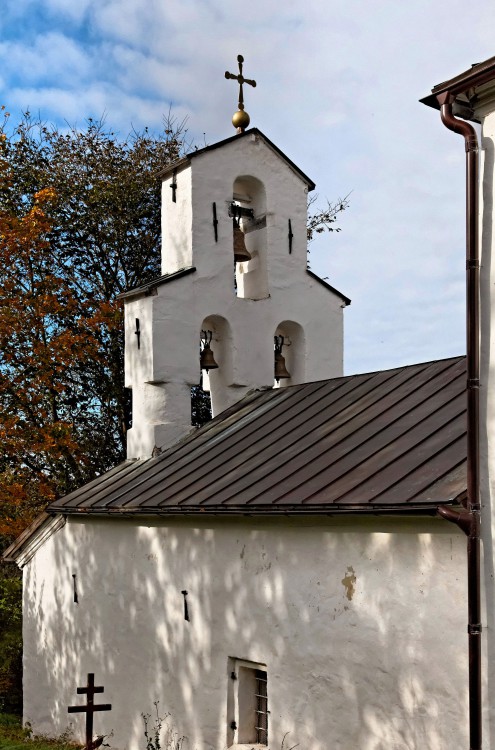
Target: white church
point(280, 577)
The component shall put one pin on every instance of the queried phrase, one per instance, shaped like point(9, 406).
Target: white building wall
point(213, 176)
point(487, 400)
point(177, 222)
point(361, 625)
point(165, 368)
point(161, 408)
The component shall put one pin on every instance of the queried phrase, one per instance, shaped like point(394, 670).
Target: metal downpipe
point(469, 520)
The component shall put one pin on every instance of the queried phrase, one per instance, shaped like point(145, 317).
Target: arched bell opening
point(248, 210)
point(289, 355)
point(215, 360)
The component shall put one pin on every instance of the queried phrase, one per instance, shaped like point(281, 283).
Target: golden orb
point(240, 119)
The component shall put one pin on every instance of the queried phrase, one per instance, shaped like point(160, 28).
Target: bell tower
point(234, 292)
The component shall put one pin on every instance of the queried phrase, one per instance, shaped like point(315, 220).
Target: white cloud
point(73, 10)
point(51, 56)
point(29, 12)
point(338, 84)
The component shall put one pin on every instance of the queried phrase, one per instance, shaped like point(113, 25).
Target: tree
point(324, 219)
point(43, 331)
point(10, 643)
point(79, 223)
point(200, 405)
point(35, 346)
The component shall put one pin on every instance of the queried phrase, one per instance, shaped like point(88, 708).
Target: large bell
point(207, 360)
point(281, 372)
point(241, 254)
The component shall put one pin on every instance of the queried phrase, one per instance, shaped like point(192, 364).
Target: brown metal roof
point(392, 441)
point(476, 75)
point(464, 86)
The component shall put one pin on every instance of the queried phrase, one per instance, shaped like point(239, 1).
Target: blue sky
point(338, 89)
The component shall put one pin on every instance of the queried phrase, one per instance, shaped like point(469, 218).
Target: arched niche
point(217, 381)
point(293, 351)
point(252, 276)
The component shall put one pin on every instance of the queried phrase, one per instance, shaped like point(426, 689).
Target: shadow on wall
point(349, 620)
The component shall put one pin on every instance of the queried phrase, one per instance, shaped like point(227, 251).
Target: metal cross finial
point(240, 79)
point(241, 118)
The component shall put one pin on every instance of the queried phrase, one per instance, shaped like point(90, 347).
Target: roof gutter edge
point(429, 509)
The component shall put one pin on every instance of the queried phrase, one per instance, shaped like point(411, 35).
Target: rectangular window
point(247, 704)
point(261, 707)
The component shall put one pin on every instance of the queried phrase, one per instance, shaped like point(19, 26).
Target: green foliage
point(10, 639)
point(200, 406)
point(13, 736)
point(12, 733)
point(64, 361)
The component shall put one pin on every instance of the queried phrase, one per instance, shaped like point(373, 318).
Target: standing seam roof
point(388, 440)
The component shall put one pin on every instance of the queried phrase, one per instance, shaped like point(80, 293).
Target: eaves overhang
point(468, 88)
point(420, 509)
point(27, 544)
point(186, 160)
point(330, 288)
point(151, 286)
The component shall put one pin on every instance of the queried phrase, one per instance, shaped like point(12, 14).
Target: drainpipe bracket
point(473, 382)
point(475, 628)
point(472, 263)
point(471, 143)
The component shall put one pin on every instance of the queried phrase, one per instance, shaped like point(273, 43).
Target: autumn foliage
point(79, 223)
point(43, 331)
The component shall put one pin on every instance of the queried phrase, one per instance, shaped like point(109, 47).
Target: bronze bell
point(207, 360)
point(241, 254)
point(281, 372)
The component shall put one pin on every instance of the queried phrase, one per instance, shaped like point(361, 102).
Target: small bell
point(281, 372)
point(241, 254)
point(207, 360)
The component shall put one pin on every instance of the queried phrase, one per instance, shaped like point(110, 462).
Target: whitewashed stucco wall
point(164, 364)
point(361, 625)
point(485, 114)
